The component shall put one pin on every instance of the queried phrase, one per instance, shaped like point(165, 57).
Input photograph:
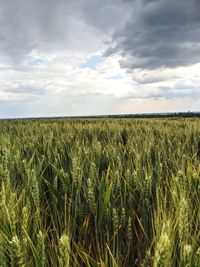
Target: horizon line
point(122, 115)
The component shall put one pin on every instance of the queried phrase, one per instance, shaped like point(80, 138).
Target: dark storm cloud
point(160, 33)
point(27, 25)
point(54, 25)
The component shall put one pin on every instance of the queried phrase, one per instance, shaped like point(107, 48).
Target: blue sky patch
point(36, 62)
point(116, 77)
point(92, 62)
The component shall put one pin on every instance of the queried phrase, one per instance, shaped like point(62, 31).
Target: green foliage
point(100, 192)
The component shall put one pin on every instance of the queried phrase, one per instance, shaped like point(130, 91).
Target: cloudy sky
point(81, 57)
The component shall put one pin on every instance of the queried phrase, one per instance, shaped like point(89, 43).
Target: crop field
point(100, 192)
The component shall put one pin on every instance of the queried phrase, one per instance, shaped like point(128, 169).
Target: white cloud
point(44, 44)
point(59, 86)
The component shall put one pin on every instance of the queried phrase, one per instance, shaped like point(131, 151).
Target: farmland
point(100, 192)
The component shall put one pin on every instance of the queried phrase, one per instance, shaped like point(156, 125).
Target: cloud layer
point(160, 34)
point(74, 57)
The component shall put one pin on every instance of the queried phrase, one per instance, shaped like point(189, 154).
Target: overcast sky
point(81, 57)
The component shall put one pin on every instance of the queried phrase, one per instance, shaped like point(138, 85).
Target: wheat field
point(100, 192)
